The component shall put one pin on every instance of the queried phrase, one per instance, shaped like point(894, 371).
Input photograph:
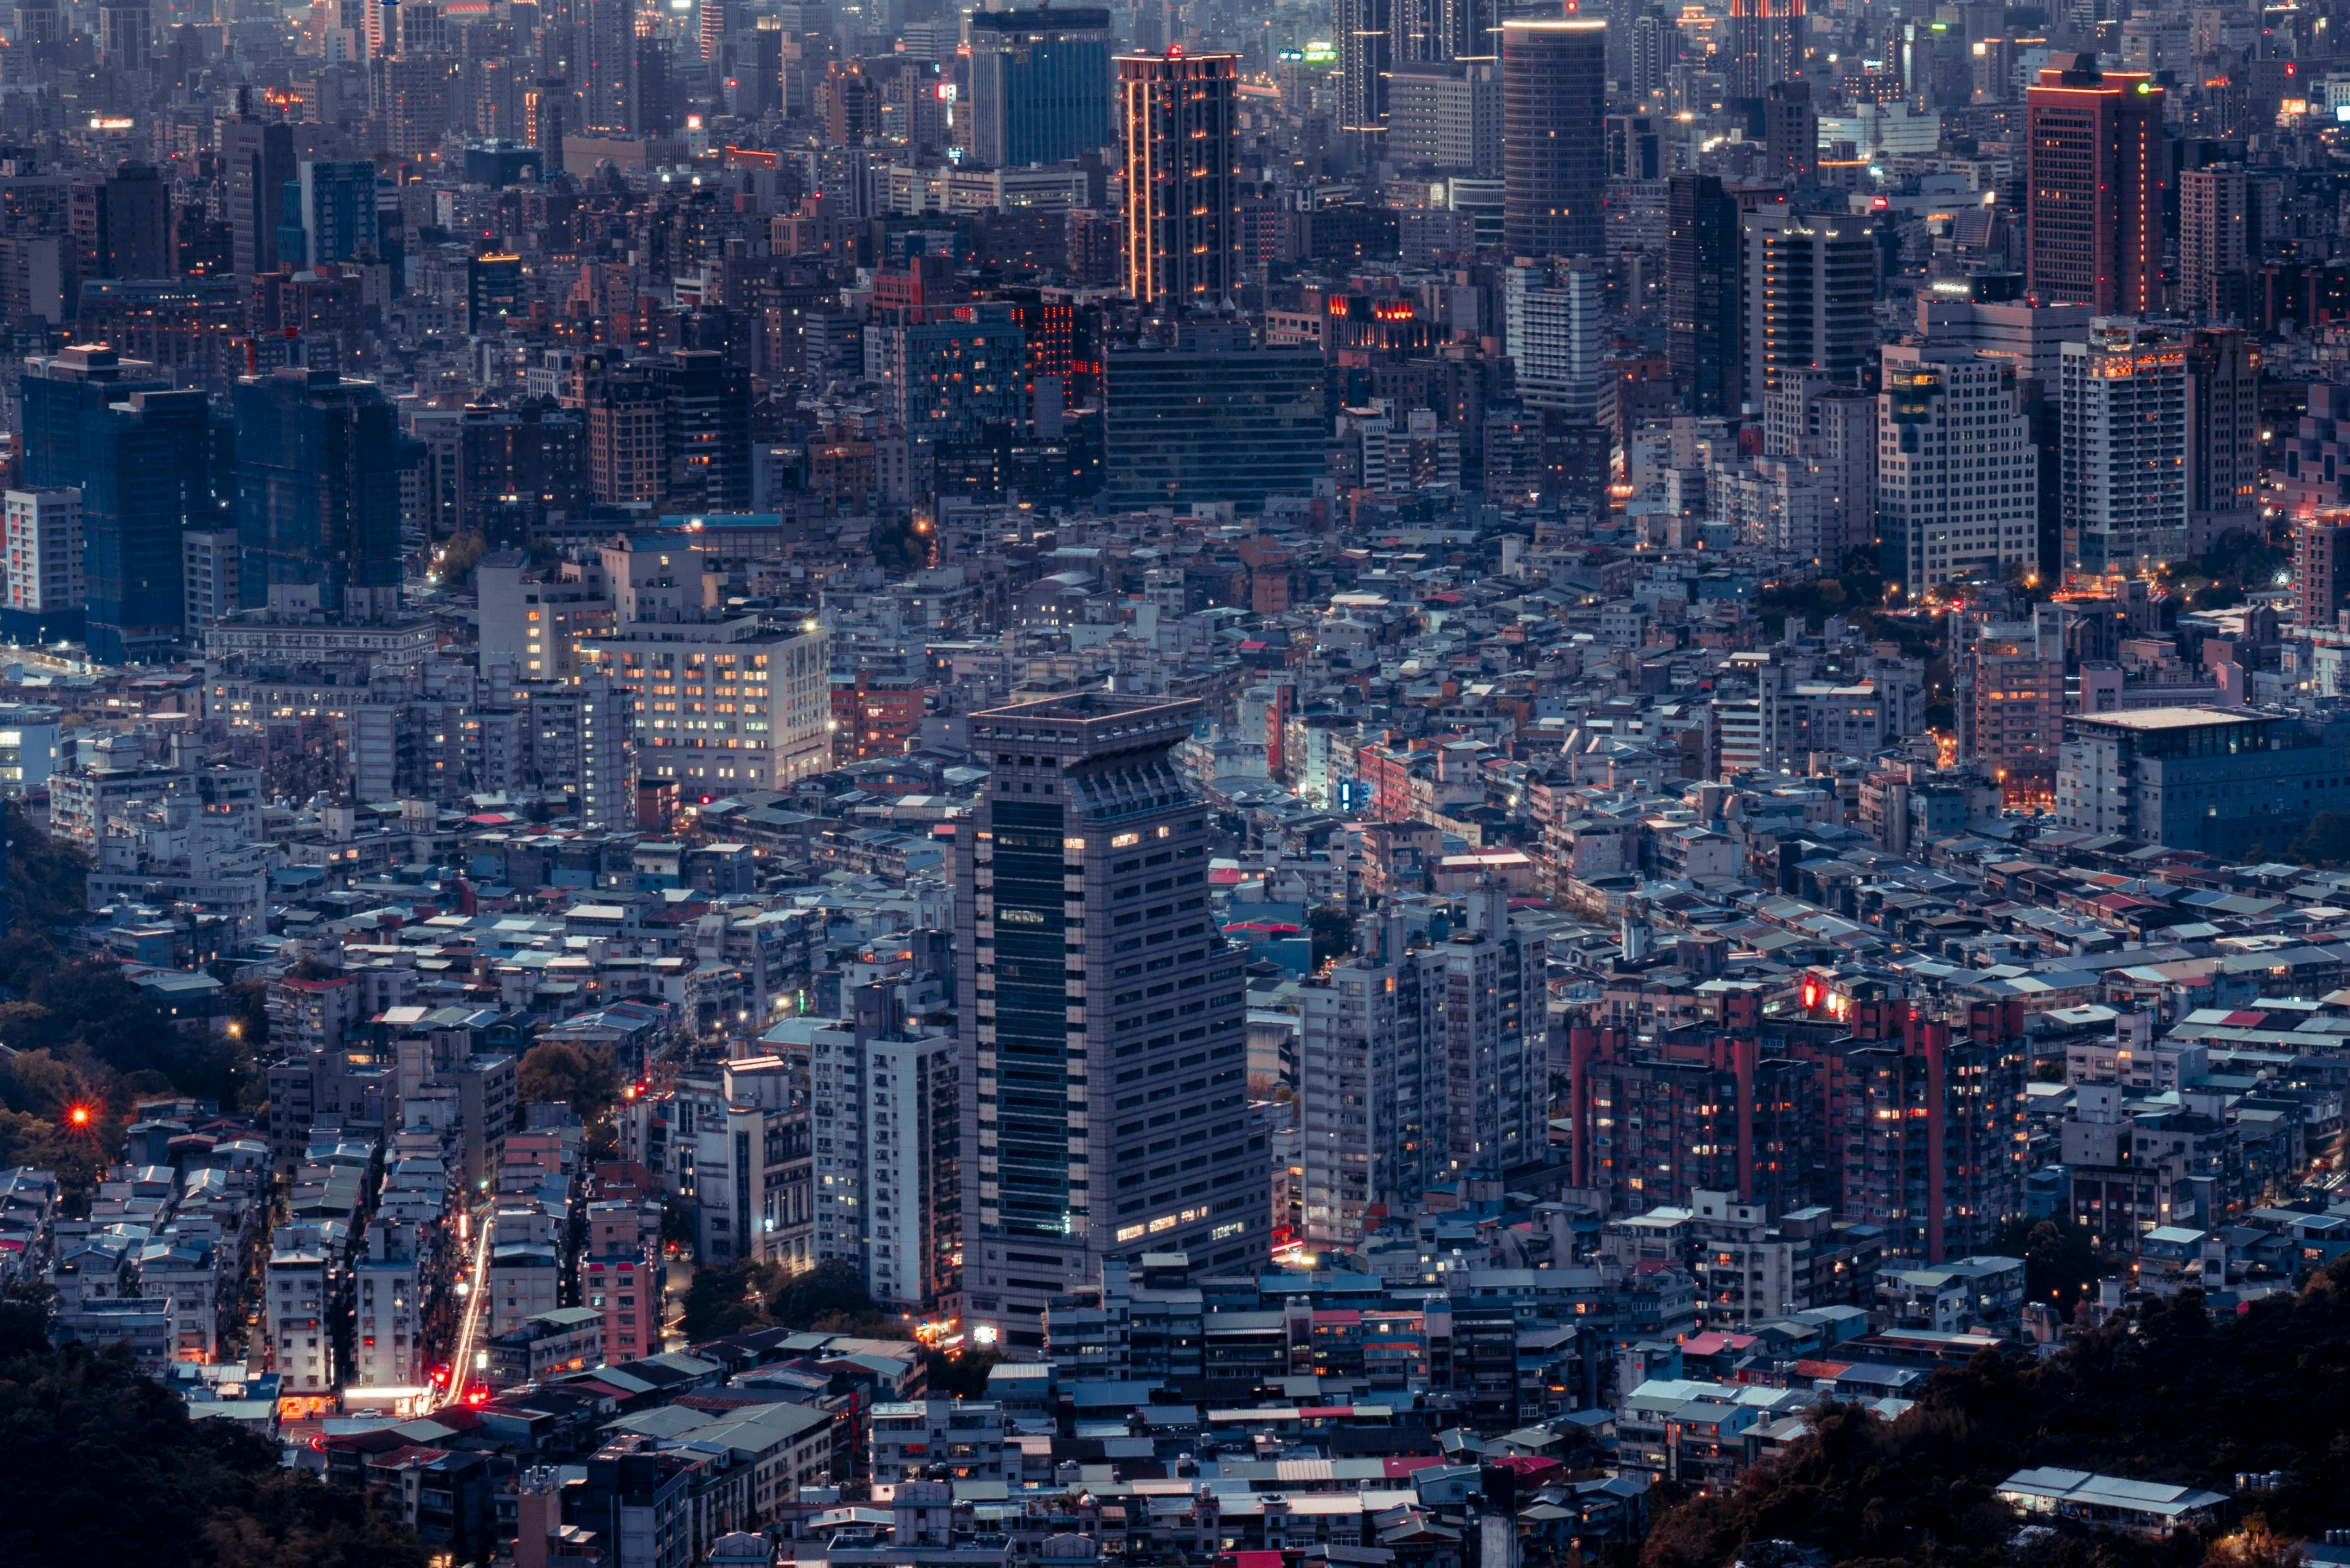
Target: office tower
point(545, 106)
point(1040, 86)
point(318, 492)
point(2096, 178)
point(44, 566)
point(1555, 335)
point(257, 160)
point(1444, 116)
point(125, 30)
point(1936, 64)
point(1811, 287)
point(493, 292)
point(387, 1305)
point(1655, 49)
point(1212, 419)
point(142, 456)
point(2212, 239)
point(1704, 345)
point(1833, 430)
point(1636, 147)
point(706, 432)
point(2223, 435)
point(2321, 569)
point(2125, 448)
point(955, 376)
point(122, 224)
point(1366, 54)
point(1766, 45)
point(1372, 1096)
point(1182, 177)
point(1553, 158)
point(1988, 313)
point(1957, 480)
point(852, 103)
point(330, 213)
point(627, 459)
point(1105, 1104)
point(1791, 132)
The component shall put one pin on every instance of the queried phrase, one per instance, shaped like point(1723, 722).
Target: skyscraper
point(1703, 342)
point(1176, 112)
point(1957, 481)
point(1105, 1105)
point(2097, 171)
point(1444, 116)
point(1791, 132)
point(122, 224)
point(1040, 85)
point(2213, 242)
point(1212, 419)
point(2125, 447)
point(1371, 1086)
point(1811, 285)
point(1366, 54)
point(256, 161)
point(1766, 44)
point(1553, 157)
point(141, 455)
point(318, 491)
point(2223, 435)
point(330, 213)
point(2321, 568)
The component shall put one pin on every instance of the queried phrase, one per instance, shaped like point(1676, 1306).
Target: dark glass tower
point(318, 490)
point(1553, 155)
point(1105, 1101)
point(1040, 85)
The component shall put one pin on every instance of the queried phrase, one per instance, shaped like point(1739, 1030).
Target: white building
point(721, 706)
point(208, 578)
point(1556, 335)
point(297, 1304)
point(1957, 476)
point(2124, 485)
point(387, 1342)
point(913, 1181)
point(1371, 1087)
point(44, 565)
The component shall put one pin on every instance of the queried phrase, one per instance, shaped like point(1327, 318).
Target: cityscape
point(1355, 784)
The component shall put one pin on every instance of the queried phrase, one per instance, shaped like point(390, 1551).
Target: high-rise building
point(2125, 447)
point(1811, 285)
point(952, 373)
point(122, 224)
point(2213, 239)
point(318, 492)
point(705, 432)
point(1704, 343)
point(1957, 485)
point(1177, 113)
point(1372, 1096)
point(1655, 50)
point(2223, 435)
point(387, 1303)
point(1105, 1102)
point(256, 160)
point(2321, 569)
point(2010, 706)
point(1444, 116)
point(1832, 429)
point(621, 1272)
point(1040, 85)
point(43, 539)
point(143, 457)
point(1212, 419)
point(2097, 173)
point(1496, 1041)
point(330, 213)
point(1791, 132)
point(1938, 1159)
point(1553, 157)
point(1366, 56)
point(1555, 336)
point(1766, 45)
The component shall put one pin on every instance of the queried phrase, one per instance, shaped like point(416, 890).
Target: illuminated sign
point(1321, 52)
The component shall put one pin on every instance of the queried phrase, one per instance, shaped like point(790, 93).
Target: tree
point(722, 1301)
point(962, 1374)
point(1332, 932)
point(580, 1076)
point(829, 1298)
point(100, 1464)
point(2325, 843)
point(2062, 1262)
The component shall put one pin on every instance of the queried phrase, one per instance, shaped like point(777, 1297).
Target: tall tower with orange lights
point(2098, 169)
point(1176, 119)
